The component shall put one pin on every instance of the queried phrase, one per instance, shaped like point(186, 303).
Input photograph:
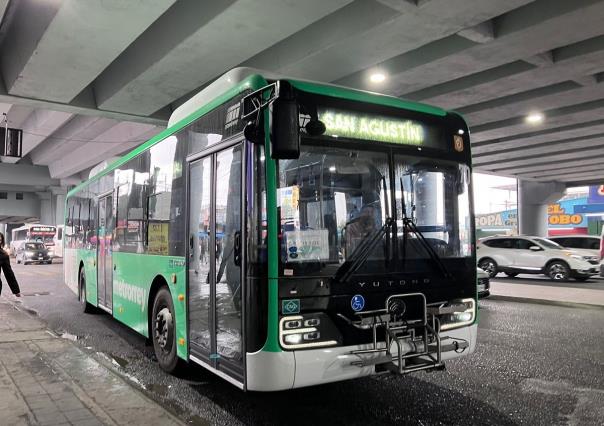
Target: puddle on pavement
point(122, 362)
point(197, 421)
point(39, 293)
point(70, 336)
point(158, 389)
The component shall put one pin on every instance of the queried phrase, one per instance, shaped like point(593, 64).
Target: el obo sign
point(558, 216)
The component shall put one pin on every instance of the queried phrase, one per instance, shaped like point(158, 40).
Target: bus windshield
point(333, 201)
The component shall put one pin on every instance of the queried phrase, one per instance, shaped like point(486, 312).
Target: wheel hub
point(163, 326)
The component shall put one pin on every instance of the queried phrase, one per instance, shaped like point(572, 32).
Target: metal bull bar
point(418, 342)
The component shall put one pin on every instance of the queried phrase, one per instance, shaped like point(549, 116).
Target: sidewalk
point(547, 293)
point(46, 380)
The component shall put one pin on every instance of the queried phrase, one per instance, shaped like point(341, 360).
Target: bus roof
point(237, 76)
point(240, 79)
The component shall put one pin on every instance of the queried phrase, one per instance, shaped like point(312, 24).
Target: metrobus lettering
point(130, 293)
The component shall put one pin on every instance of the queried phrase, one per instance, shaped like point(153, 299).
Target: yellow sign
point(158, 238)
point(558, 216)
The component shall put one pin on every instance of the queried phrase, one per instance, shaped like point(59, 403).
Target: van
point(58, 242)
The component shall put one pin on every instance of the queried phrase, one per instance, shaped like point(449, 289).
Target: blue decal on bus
point(357, 302)
point(290, 306)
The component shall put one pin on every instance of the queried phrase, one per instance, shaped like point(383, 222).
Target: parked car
point(483, 284)
point(33, 253)
point(589, 243)
point(534, 255)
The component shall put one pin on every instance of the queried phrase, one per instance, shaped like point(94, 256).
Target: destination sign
point(348, 124)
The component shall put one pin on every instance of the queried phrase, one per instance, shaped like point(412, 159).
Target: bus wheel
point(87, 308)
point(163, 330)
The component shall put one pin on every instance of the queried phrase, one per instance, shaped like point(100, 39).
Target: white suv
point(534, 255)
point(589, 243)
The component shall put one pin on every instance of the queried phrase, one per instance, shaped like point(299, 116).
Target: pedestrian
point(8, 271)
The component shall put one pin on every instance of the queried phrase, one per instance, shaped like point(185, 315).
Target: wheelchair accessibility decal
point(357, 302)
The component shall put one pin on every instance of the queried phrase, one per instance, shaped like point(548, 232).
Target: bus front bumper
point(271, 371)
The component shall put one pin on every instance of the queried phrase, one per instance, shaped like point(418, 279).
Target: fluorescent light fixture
point(534, 118)
point(377, 77)
point(332, 169)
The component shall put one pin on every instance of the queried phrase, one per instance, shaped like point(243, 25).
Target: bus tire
point(163, 330)
point(87, 308)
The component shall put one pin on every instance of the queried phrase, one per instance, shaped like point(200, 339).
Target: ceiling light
point(332, 169)
point(534, 118)
point(377, 77)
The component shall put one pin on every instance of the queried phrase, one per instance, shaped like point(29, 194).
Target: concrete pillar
point(46, 208)
point(60, 208)
point(533, 199)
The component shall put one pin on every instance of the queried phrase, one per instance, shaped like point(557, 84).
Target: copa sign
point(558, 216)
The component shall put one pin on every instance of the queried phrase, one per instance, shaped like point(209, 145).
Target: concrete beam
point(558, 117)
point(544, 59)
point(84, 104)
point(24, 175)
point(543, 166)
point(596, 175)
point(481, 33)
point(70, 137)
point(118, 139)
point(47, 35)
point(561, 171)
point(558, 158)
point(527, 140)
point(3, 6)
point(39, 125)
point(587, 80)
point(522, 33)
point(542, 149)
point(137, 82)
point(386, 42)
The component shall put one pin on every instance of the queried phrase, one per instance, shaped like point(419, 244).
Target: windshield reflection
point(333, 200)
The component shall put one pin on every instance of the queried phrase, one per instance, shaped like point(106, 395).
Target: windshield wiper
point(410, 226)
point(361, 253)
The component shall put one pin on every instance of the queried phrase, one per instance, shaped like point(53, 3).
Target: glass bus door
point(104, 252)
point(214, 261)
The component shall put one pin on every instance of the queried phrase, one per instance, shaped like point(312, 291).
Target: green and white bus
point(285, 233)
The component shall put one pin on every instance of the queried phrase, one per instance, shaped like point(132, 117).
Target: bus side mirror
point(285, 128)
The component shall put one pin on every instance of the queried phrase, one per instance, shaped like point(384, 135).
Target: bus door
point(104, 252)
point(215, 261)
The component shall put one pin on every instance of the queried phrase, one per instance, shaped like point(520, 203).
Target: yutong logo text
point(392, 283)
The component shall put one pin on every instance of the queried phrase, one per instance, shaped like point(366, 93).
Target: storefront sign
point(557, 215)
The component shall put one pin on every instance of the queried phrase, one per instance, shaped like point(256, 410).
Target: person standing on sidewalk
point(8, 271)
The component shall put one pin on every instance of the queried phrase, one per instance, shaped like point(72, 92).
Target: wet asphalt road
point(535, 364)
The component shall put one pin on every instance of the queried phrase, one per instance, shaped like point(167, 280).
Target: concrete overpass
point(87, 80)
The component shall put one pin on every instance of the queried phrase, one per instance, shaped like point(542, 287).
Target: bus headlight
point(463, 314)
point(307, 331)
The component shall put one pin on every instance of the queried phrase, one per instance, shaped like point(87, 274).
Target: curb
point(137, 387)
point(544, 302)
